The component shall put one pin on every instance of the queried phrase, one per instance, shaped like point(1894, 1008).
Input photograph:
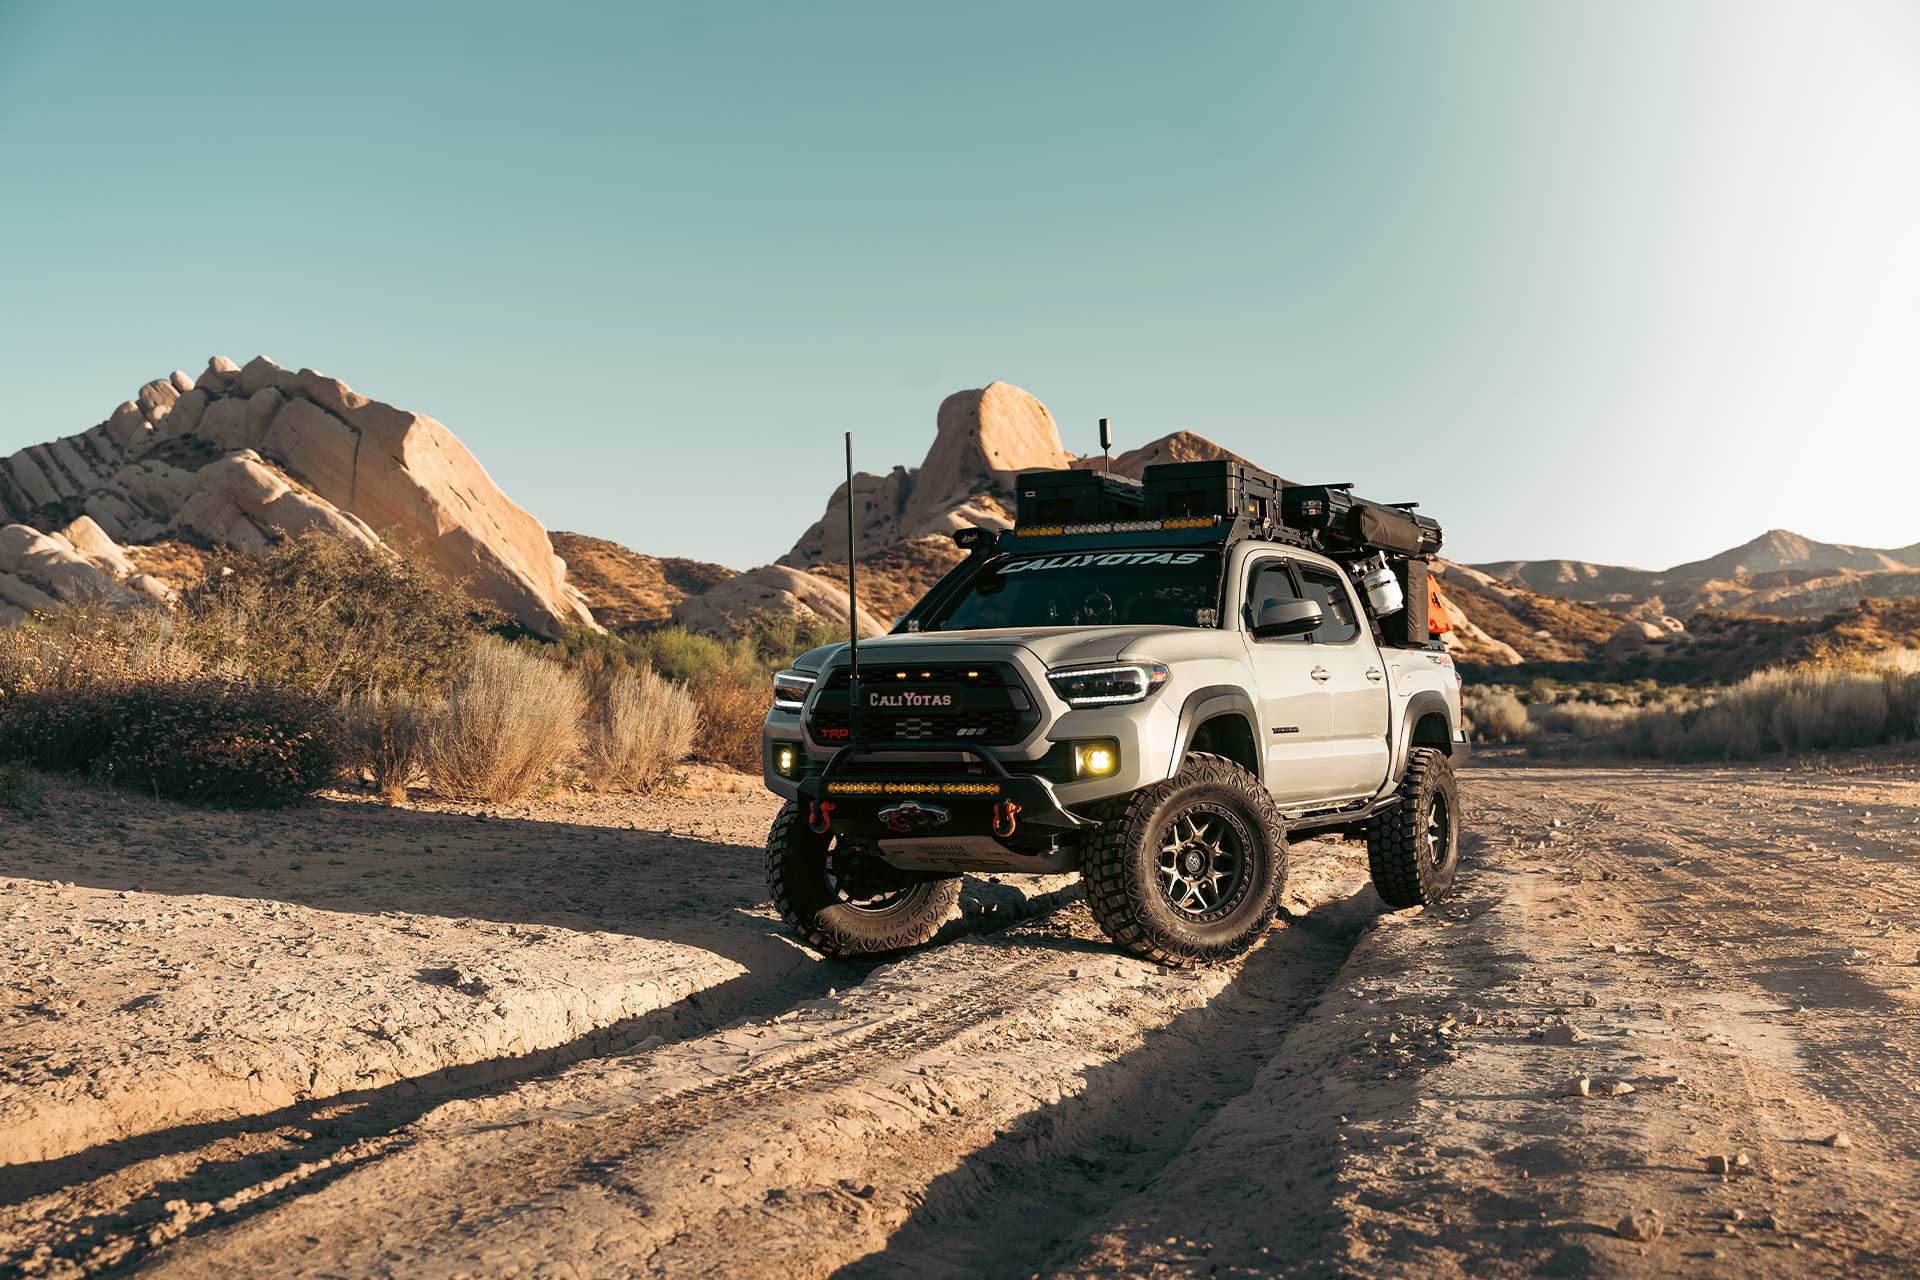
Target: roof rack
point(1234, 498)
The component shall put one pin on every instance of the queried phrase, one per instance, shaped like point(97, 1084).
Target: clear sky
point(1629, 282)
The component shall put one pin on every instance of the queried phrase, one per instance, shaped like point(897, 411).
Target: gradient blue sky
point(1628, 282)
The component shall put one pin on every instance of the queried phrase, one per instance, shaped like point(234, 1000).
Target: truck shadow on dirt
point(1028, 1200)
point(646, 883)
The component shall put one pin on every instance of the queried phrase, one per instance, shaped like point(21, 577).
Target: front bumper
point(912, 802)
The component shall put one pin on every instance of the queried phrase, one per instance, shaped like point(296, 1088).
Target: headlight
point(1104, 686)
point(790, 689)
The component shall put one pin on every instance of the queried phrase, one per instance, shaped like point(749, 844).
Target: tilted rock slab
point(242, 456)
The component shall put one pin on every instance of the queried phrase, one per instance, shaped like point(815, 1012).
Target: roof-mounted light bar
point(1116, 526)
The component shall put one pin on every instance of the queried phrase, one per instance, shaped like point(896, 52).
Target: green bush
point(331, 617)
point(208, 741)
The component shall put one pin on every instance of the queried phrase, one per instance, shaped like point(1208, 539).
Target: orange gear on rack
point(820, 817)
point(1438, 621)
point(1004, 818)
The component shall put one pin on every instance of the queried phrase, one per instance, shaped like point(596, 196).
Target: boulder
point(86, 537)
point(774, 588)
point(40, 570)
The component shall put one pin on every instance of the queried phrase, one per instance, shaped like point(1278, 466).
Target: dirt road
point(1725, 958)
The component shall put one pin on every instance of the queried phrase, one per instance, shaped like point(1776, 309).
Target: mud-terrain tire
point(820, 883)
point(1211, 804)
point(1413, 849)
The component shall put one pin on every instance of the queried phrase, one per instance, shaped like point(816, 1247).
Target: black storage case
point(1354, 524)
point(1074, 497)
point(1218, 486)
point(1407, 629)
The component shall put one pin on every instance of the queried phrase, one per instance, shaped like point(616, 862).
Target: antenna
point(1106, 444)
point(853, 616)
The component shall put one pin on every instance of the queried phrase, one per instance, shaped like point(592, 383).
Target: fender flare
point(1422, 704)
point(1203, 705)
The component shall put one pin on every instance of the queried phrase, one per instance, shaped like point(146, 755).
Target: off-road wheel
point(1413, 849)
point(1190, 870)
point(842, 897)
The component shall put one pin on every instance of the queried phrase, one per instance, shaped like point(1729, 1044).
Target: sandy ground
point(570, 1040)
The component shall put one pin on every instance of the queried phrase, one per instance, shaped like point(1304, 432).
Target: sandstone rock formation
point(242, 456)
point(982, 439)
point(39, 571)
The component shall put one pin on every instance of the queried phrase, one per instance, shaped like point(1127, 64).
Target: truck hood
point(1053, 646)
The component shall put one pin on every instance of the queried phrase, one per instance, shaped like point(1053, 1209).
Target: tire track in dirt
point(1034, 1030)
point(158, 1188)
point(1019, 1206)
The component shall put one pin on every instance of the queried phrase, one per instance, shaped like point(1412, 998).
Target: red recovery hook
point(1004, 818)
point(820, 817)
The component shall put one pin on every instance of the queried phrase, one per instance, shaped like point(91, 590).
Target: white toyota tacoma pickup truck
point(1152, 684)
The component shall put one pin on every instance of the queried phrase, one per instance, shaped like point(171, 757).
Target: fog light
point(1097, 759)
point(786, 760)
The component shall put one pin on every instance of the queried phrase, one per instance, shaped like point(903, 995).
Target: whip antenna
point(1106, 443)
point(853, 615)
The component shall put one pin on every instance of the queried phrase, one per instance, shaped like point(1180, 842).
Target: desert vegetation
point(1825, 705)
point(278, 676)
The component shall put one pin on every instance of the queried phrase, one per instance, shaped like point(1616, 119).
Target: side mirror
point(1287, 618)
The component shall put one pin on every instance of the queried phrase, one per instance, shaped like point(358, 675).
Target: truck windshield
point(1150, 587)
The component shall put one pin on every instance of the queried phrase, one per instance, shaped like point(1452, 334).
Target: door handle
point(1319, 673)
point(1373, 674)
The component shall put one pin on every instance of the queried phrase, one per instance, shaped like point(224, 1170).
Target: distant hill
point(629, 591)
point(1779, 572)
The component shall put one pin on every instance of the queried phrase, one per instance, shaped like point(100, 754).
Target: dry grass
point(1792, 710)
point(385, 736)
point(639, 726)
point(1497, 715)
point(732, 713)
point(91, 646)
point(511, 721)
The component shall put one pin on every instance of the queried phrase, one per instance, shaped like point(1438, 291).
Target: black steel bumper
point(881, 805)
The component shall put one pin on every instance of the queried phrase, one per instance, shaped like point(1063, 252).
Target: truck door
point(1345, 661)
point(1296, 711)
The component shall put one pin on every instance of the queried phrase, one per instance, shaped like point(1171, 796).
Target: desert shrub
point(510, 721)
point(204, 740)
point(331, 617)
point(1497, 715)
point(85, 646)
point(385, 735)
point(21, 793)
point(639, 725)
point(1582, 719)
point(727, 678)
point(1809, 707)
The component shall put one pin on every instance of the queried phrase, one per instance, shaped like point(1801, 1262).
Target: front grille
point(991, 706)
point(993, 728)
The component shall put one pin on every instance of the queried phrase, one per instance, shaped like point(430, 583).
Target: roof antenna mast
point(1106, 444)
point(853, 616)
